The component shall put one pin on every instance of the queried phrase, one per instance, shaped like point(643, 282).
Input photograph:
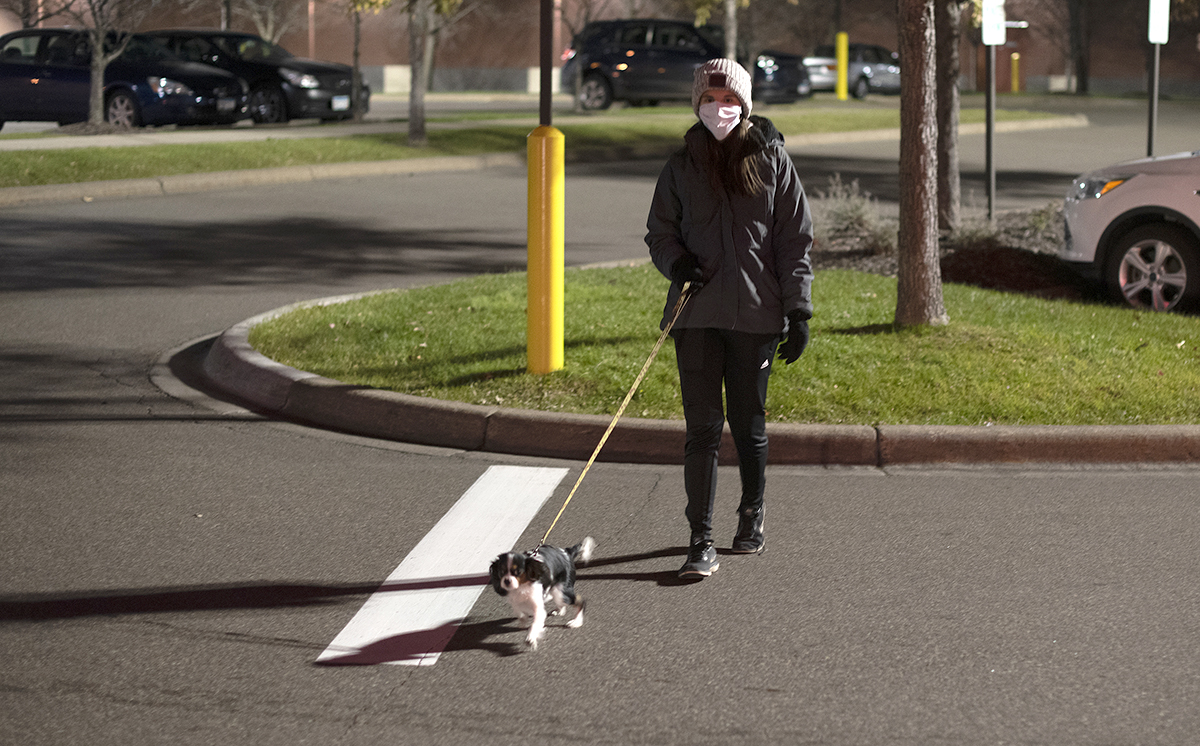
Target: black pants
point(707, 359)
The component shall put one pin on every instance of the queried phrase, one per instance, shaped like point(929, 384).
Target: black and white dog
point(541, 583)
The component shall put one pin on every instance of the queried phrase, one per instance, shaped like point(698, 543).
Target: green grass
point(40, 167)
point(1003, 359)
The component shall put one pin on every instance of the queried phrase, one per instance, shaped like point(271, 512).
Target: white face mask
point(720, 118)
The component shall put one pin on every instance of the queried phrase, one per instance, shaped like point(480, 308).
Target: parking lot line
point(416, 611)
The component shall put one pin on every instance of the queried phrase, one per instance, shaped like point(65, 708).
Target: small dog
point(542, 583)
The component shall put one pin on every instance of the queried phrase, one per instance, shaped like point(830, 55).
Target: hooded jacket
point(752, 250)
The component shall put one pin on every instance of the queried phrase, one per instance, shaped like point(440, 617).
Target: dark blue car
point(45, 75)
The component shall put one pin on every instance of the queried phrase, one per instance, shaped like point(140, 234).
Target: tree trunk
point(919, 290)
point(427, 55)
point(96, 88)
point(949, 28)
point(417, 22)
point(1080, 43)
point(356, 74)
point(731, 29)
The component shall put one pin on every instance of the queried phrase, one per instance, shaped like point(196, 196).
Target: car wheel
point(1156, 267)
point(595, 93)
point(121, 110)
point(267, 106)
point(861, 88)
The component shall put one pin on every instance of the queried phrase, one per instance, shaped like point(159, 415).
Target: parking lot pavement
point(173, 566)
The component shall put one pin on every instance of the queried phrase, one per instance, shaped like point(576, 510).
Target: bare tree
point(32, 12)
point(109, 24)
point(1050, 23)
point(223, 7)
point(444, 16)
point(272, 18)
point(919, 290)
point(949, 33)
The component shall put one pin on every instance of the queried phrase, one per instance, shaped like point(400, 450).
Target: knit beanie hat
point(721, 73)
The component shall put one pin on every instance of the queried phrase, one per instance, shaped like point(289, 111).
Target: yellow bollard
point(1015, 72)
point(843, 65)
point(544, 341)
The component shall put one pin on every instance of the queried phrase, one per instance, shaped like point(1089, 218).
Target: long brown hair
point(733, 163)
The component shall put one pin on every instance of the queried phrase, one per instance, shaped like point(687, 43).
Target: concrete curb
point(233, 366)
point(203, 182)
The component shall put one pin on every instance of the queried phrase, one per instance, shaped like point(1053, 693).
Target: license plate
point(341, 103)
point(226, 104)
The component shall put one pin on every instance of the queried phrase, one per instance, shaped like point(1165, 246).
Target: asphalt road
point(172, 565)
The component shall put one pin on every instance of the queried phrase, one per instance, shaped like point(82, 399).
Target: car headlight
point(303, 80)
point(1094, 188)
point(167, 87)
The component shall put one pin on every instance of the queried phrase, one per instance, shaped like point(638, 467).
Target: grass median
point(665, 128)
point(1004, 359)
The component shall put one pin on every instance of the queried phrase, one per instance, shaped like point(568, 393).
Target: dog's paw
point(531, 643)
point(576, 623)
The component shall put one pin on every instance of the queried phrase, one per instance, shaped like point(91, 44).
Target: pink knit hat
point(721, 73)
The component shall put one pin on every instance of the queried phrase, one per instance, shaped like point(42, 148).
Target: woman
point(730, 217)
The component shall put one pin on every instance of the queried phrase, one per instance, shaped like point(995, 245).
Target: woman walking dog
point(730, 217)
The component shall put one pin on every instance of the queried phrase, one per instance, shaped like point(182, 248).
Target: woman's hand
point(687, 269)
point(796, 340)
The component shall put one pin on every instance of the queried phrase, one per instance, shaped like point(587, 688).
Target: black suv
point(646, 60)
point(282, 86)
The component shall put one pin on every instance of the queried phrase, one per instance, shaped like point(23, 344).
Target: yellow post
point(544, 341)
point(843, 65)
point(1016, 72)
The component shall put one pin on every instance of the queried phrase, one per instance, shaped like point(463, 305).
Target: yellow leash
point(683, 298)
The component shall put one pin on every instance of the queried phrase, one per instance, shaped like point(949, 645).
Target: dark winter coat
point(753, 250)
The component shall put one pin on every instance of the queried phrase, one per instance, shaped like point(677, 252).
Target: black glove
point(687, 269)
point(796, 340)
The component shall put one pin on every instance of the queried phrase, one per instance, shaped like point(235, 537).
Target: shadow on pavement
point(46, 255)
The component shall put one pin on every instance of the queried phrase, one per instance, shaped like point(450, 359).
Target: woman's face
point(720, 95)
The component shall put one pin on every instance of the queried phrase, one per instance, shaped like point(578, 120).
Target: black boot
point(749, 538)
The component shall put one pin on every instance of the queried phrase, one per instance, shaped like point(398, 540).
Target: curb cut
point(233, 366)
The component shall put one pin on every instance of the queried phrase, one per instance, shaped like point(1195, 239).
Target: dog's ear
point(495, 572)
point(533, 568)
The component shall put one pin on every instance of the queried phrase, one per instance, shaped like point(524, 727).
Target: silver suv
point(873, 69)
point(1136, 226)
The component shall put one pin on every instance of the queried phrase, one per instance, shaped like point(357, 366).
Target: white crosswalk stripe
point(416, 611)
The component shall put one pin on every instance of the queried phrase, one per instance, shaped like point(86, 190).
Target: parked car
point(45, 75)
point(1136, 226)
point(282, 86)
point(644, 61)
point(872, 69)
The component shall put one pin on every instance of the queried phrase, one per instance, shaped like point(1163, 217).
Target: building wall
point(494, 47)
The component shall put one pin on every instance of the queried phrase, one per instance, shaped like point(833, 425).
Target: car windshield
point(253, 49)
point(144, 49)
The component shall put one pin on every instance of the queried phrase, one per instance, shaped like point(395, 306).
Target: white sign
point(992, 23)
point(1160, 21)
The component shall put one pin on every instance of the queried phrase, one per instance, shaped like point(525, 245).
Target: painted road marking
point(416, 611)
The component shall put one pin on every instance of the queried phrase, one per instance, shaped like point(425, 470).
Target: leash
point(679, 304)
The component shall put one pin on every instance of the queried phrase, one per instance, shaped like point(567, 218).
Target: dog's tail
point(581, 553)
